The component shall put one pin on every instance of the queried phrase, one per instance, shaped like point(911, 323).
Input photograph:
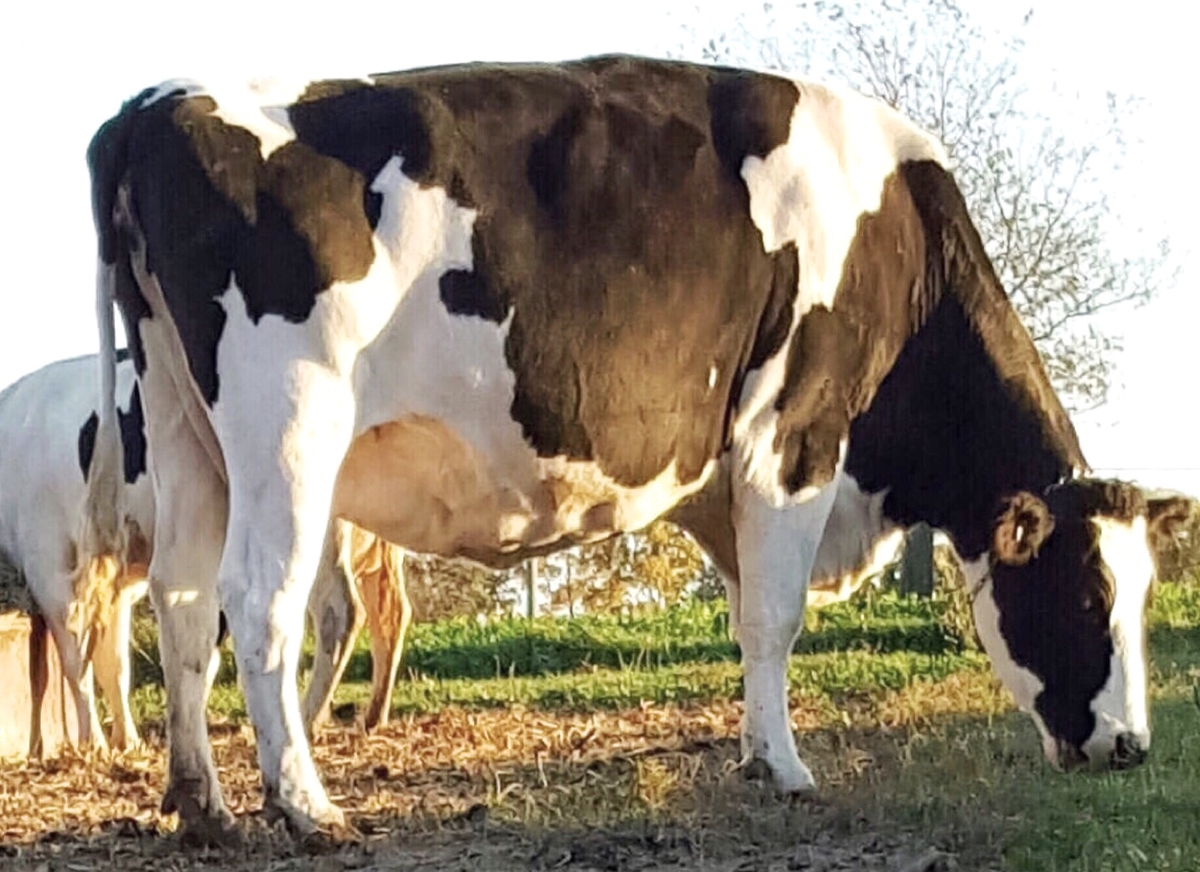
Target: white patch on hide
point(259, 106)
point(811, 191)
point(1121, 705)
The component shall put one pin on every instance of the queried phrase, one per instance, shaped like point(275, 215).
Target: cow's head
point(1060, 608)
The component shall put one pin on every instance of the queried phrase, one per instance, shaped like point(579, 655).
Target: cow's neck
point(948, 435)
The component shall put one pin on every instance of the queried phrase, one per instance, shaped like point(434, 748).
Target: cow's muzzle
point(1127, 753)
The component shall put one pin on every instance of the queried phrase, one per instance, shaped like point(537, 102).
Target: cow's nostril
point(1128, 751)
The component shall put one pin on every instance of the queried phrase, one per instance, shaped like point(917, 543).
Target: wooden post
point(37, 711)
point(569, 564)
point(531, 581)
point(916, 564)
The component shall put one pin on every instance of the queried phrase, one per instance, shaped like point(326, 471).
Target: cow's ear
point(1023, 524)
point(1166, 516)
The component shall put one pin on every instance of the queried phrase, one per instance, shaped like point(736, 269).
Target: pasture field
point(610, 744)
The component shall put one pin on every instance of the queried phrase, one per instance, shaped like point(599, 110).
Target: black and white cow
point(488, 311)
point(48, 425)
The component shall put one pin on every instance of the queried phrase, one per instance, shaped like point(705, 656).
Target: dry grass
point(658, 783)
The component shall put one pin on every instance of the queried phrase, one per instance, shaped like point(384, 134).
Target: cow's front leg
point(281, 479)
point(776, 546)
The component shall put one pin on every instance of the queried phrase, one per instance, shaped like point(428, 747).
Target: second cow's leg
point(112, 666)
point(337, 615)
point(390, 613)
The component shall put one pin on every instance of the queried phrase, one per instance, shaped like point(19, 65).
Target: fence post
point(531, 581)
point(916, 564)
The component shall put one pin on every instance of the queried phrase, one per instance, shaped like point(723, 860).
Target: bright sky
point(66, 68)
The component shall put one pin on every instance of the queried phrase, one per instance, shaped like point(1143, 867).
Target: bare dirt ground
point(648, 789)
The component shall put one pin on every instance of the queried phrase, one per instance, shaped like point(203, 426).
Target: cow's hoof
point(209, 831)
point(799, 794)
point(374, 719)
point(756, 769)
point(203, 819)
point(795, 789)
point(221, 831)
point(327, 840)
point(790, 778)
point(304, 824)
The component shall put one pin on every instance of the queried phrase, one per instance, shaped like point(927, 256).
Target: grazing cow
point(48, 425)
point(488, 311)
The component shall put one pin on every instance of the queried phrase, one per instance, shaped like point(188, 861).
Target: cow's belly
point(416, 482)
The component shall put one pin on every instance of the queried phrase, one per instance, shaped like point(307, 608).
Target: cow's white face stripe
point(1121, 705)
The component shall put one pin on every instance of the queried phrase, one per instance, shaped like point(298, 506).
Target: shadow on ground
point(645, 789)
point(655, 788)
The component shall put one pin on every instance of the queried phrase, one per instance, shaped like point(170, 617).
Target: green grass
point(974, 783)
point(857, 648)
point(955, 766)
point(977, 782)
point(693, 633)
point(831, 676)
point(679, 656)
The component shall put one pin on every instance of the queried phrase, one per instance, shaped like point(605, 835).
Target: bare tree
point(1036, 190)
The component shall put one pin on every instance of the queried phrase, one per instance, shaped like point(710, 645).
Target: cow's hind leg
point(190, 517)
point(338, 614)
point(281, 478)
point(390, 612)
point(776, 548)
point(75, 657)
point(111, 660)
point(183, 590)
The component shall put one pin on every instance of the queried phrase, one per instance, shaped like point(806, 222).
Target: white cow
point(48, 425)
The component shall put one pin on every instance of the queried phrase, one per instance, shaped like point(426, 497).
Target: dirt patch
point(648, 789)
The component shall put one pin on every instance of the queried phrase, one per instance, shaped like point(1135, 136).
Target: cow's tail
point(100, 555)
point(102, 540)
point(100, 551)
